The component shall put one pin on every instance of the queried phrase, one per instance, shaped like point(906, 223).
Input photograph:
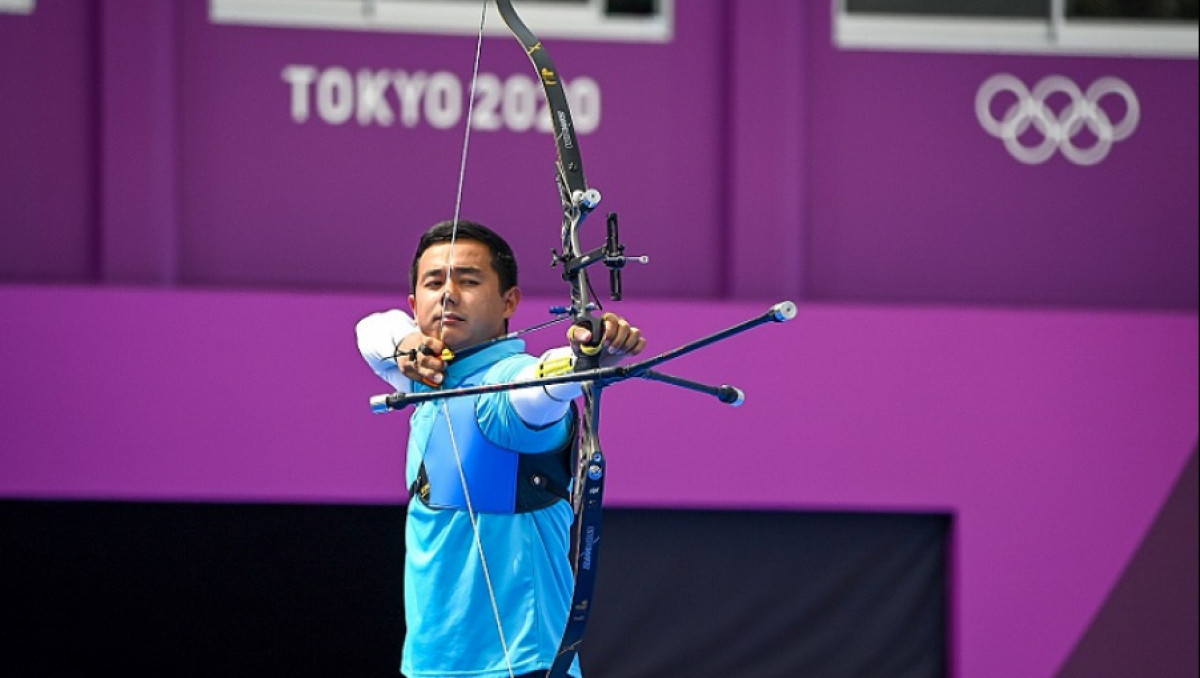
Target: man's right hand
point(420, 359)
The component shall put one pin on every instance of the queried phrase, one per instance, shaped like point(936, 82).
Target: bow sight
point(612, 255)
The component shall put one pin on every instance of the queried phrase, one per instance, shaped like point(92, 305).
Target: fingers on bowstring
point(424, 363)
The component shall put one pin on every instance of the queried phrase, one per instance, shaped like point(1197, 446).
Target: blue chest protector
point(499, 480)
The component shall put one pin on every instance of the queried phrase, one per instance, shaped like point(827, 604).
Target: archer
point(490, 473)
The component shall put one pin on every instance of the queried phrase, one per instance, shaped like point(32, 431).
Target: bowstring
point(462, 476)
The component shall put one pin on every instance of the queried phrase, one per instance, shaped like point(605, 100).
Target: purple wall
point(48, 150)
point(912, 200)
point(142, 145)
point(786, 164)
point(269, 201)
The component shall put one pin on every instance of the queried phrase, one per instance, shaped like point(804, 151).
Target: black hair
point(503, 259)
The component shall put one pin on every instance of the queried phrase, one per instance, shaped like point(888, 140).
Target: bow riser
point(577, 202)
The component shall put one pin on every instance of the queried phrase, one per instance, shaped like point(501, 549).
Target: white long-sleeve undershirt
point(548, 404)
point(378, 336)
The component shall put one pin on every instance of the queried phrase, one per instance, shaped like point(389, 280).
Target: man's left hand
point(620, 339)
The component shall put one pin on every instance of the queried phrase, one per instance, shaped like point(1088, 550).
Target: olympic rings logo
point(1058, 131)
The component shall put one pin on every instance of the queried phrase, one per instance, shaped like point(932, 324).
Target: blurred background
point(972, 453)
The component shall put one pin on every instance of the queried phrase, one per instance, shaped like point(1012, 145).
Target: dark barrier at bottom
point(186, 589)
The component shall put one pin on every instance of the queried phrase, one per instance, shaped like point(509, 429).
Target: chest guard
point(499, 480)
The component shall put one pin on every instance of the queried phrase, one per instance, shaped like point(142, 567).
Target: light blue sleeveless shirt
point(452, 629)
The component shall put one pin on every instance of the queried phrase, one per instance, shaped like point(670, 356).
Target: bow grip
point(595, 326)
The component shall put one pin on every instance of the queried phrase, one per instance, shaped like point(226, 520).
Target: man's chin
point(454, 340)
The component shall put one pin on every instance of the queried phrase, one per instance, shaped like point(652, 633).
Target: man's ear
point(412, 304)
point(511, 298)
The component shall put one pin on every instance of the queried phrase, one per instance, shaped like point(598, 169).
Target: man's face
point(475, 308)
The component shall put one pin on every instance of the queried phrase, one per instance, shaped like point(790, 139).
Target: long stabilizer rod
point(604, 376)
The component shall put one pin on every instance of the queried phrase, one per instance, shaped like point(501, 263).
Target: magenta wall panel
point(1053, 438)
